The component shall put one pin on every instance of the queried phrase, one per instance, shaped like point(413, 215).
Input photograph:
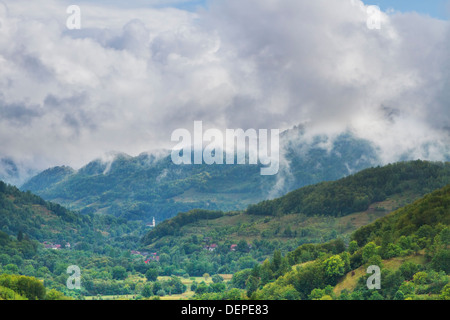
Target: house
point(152, 258)
point(233, 247)
point(211, 247)
point(48, 245)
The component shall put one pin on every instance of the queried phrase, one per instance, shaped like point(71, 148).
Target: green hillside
point(147, 186)
point(39, 220)
point(314, 213)
point(410, 245)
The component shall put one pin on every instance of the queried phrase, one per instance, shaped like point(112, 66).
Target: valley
point(395, 216)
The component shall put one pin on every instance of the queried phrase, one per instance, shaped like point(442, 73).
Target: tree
point(147, 291)
point(119, 273)
point(217, 278)
point(352, 247)
point(407, 288)
point(29, 287)
point(375, 260)
point(445, 294)
point(368, 251)
point(266, 272)
point(276, 261)
point(334, 268)
point(399, 295)
point(152, 274)
point(445, 236)
point(11, 269)
point(252, 285)
point(441, 261)
point(408, 269)
point(55, 295)
point(420, 278)
point(156, 287)
point(376, 296)
point(240, 278)
point(201, 288)
point(242, 246)
point(316, 294)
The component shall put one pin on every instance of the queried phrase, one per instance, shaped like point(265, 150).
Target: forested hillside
point(36, 219)
point(150, 186)
point(357, 192)
point(411, 246)
point(313, 213)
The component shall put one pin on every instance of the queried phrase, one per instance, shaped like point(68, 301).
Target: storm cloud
point(134, 74)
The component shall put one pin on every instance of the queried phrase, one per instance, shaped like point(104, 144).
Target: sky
point(134, 73)
point(435, 8)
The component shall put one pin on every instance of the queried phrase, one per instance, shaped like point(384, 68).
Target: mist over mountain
point(152, 185)
point(15, 173)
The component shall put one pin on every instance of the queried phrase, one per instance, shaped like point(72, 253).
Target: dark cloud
point(18, 114)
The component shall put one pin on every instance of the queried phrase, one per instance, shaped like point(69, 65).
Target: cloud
point(134, 74)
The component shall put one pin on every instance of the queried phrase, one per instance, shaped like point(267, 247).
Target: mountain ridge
point(148, 186)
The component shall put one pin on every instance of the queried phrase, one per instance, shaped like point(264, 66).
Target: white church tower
point(153, 224)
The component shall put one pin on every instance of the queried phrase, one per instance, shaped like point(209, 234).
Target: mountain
point(39, 240)
point(314, 213)
point(411, 246)
point(39, 220)
point(149, 186)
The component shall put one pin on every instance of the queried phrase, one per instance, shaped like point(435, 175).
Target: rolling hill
point(314, 213)
point(39, 220)
point(410, 245)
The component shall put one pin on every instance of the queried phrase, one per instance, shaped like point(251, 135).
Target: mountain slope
point(410, 245)
point(356, 192)
point(314, 213)
point(31, 216)
point(147, 186)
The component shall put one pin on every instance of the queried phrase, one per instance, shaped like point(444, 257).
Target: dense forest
point(358, 191)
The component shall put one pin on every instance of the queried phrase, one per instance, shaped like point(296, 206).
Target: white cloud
point(131, 76)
